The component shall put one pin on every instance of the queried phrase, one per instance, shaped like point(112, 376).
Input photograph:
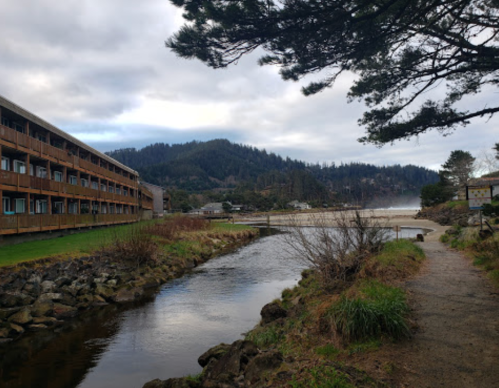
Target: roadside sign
point(478, 196)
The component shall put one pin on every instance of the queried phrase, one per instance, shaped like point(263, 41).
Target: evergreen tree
point(400, 49)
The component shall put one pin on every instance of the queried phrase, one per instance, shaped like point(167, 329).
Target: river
point(162, 337)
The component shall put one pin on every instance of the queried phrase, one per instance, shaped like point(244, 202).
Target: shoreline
point(387, 217)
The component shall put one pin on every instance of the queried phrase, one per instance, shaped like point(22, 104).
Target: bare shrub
point(337, 243)
point(134, 244)
point(171, 228)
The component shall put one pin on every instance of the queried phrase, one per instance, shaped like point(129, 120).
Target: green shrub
point(265, 336)
point(444, 238)
point(380, 310)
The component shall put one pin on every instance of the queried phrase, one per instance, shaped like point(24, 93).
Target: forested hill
point(220, 164)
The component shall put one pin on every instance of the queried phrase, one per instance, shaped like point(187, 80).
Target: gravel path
point(458, 313)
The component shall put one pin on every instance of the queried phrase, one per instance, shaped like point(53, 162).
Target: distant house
point(299, 205)
point(212, 208)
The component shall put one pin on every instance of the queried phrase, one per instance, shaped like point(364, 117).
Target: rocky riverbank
point(43, 295)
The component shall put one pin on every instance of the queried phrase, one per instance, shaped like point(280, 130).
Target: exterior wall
point(50, 180)
point(157, 195)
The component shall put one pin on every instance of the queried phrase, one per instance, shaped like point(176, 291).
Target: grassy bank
point(328, 338)
point(483, 250)
point(88, 242)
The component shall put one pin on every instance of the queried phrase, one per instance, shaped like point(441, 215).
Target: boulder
point(215, 352)
point(4, 332)
point(36, 327)
point(13, 299)
point(47, 286)
point(50, 296)
point(261, 364)
point(47, 321)
point(42, 307)
point(63, 281)
point(230, 365)
point(62, 311)
point(15, 330)
point(272, 311)
point(5, 313)
point(22, 317)
point(104, 291)
point(32, 289)
point(125, 296)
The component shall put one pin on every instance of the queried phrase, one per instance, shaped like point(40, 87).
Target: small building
point(212, 208)
point(299, 205)
point(157, 198)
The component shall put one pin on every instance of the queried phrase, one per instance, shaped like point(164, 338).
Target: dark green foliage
point(401, 50)
point(264, 180)
point(379, 311)
point(434, 194)
point(458, 169)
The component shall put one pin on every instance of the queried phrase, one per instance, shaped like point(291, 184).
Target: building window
point(118, 191)
point(84, 182)
point(125, 193)
point(31, 170)
point(73, 208)
point(111, 209)
point(41, 172)
point(31, 206)
point(111, 189)
point(103, 187)
point(58, 176)
point(73, 180)
point(5, 163)
point(20, 205)
point(95, 186)
point(19, 167)
point(41, 206)
point(5, 121)
point(103, 208)
point(6, 204)
point(58, 208)
point(19, 128)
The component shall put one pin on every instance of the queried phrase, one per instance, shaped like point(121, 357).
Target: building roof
point(42, 123)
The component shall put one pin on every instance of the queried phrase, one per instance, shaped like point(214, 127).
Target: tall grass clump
point(134, 244)
point(378, 310)
point(171, 228)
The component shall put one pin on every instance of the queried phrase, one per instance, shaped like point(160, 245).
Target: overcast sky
point(99, 70)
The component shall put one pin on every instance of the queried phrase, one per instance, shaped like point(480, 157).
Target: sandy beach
point(386, 217)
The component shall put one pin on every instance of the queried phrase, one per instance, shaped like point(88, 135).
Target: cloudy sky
point(99, 70)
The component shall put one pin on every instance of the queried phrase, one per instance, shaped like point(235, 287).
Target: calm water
point(161, 338)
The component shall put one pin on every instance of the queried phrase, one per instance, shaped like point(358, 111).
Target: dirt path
point(458, 314)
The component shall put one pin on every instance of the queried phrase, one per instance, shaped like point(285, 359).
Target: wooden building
point(50, 180)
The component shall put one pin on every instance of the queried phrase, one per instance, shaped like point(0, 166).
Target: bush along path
point(457, 310)
point(319, 333)
point(41, 295)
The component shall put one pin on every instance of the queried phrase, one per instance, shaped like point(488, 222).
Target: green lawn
point(75, 244)
point(67, 246)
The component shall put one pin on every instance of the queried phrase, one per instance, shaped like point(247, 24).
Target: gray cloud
point(100, 71)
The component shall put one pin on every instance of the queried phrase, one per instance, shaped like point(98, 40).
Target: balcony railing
point(19, 223)
point(63, 157)
point(16, 180)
